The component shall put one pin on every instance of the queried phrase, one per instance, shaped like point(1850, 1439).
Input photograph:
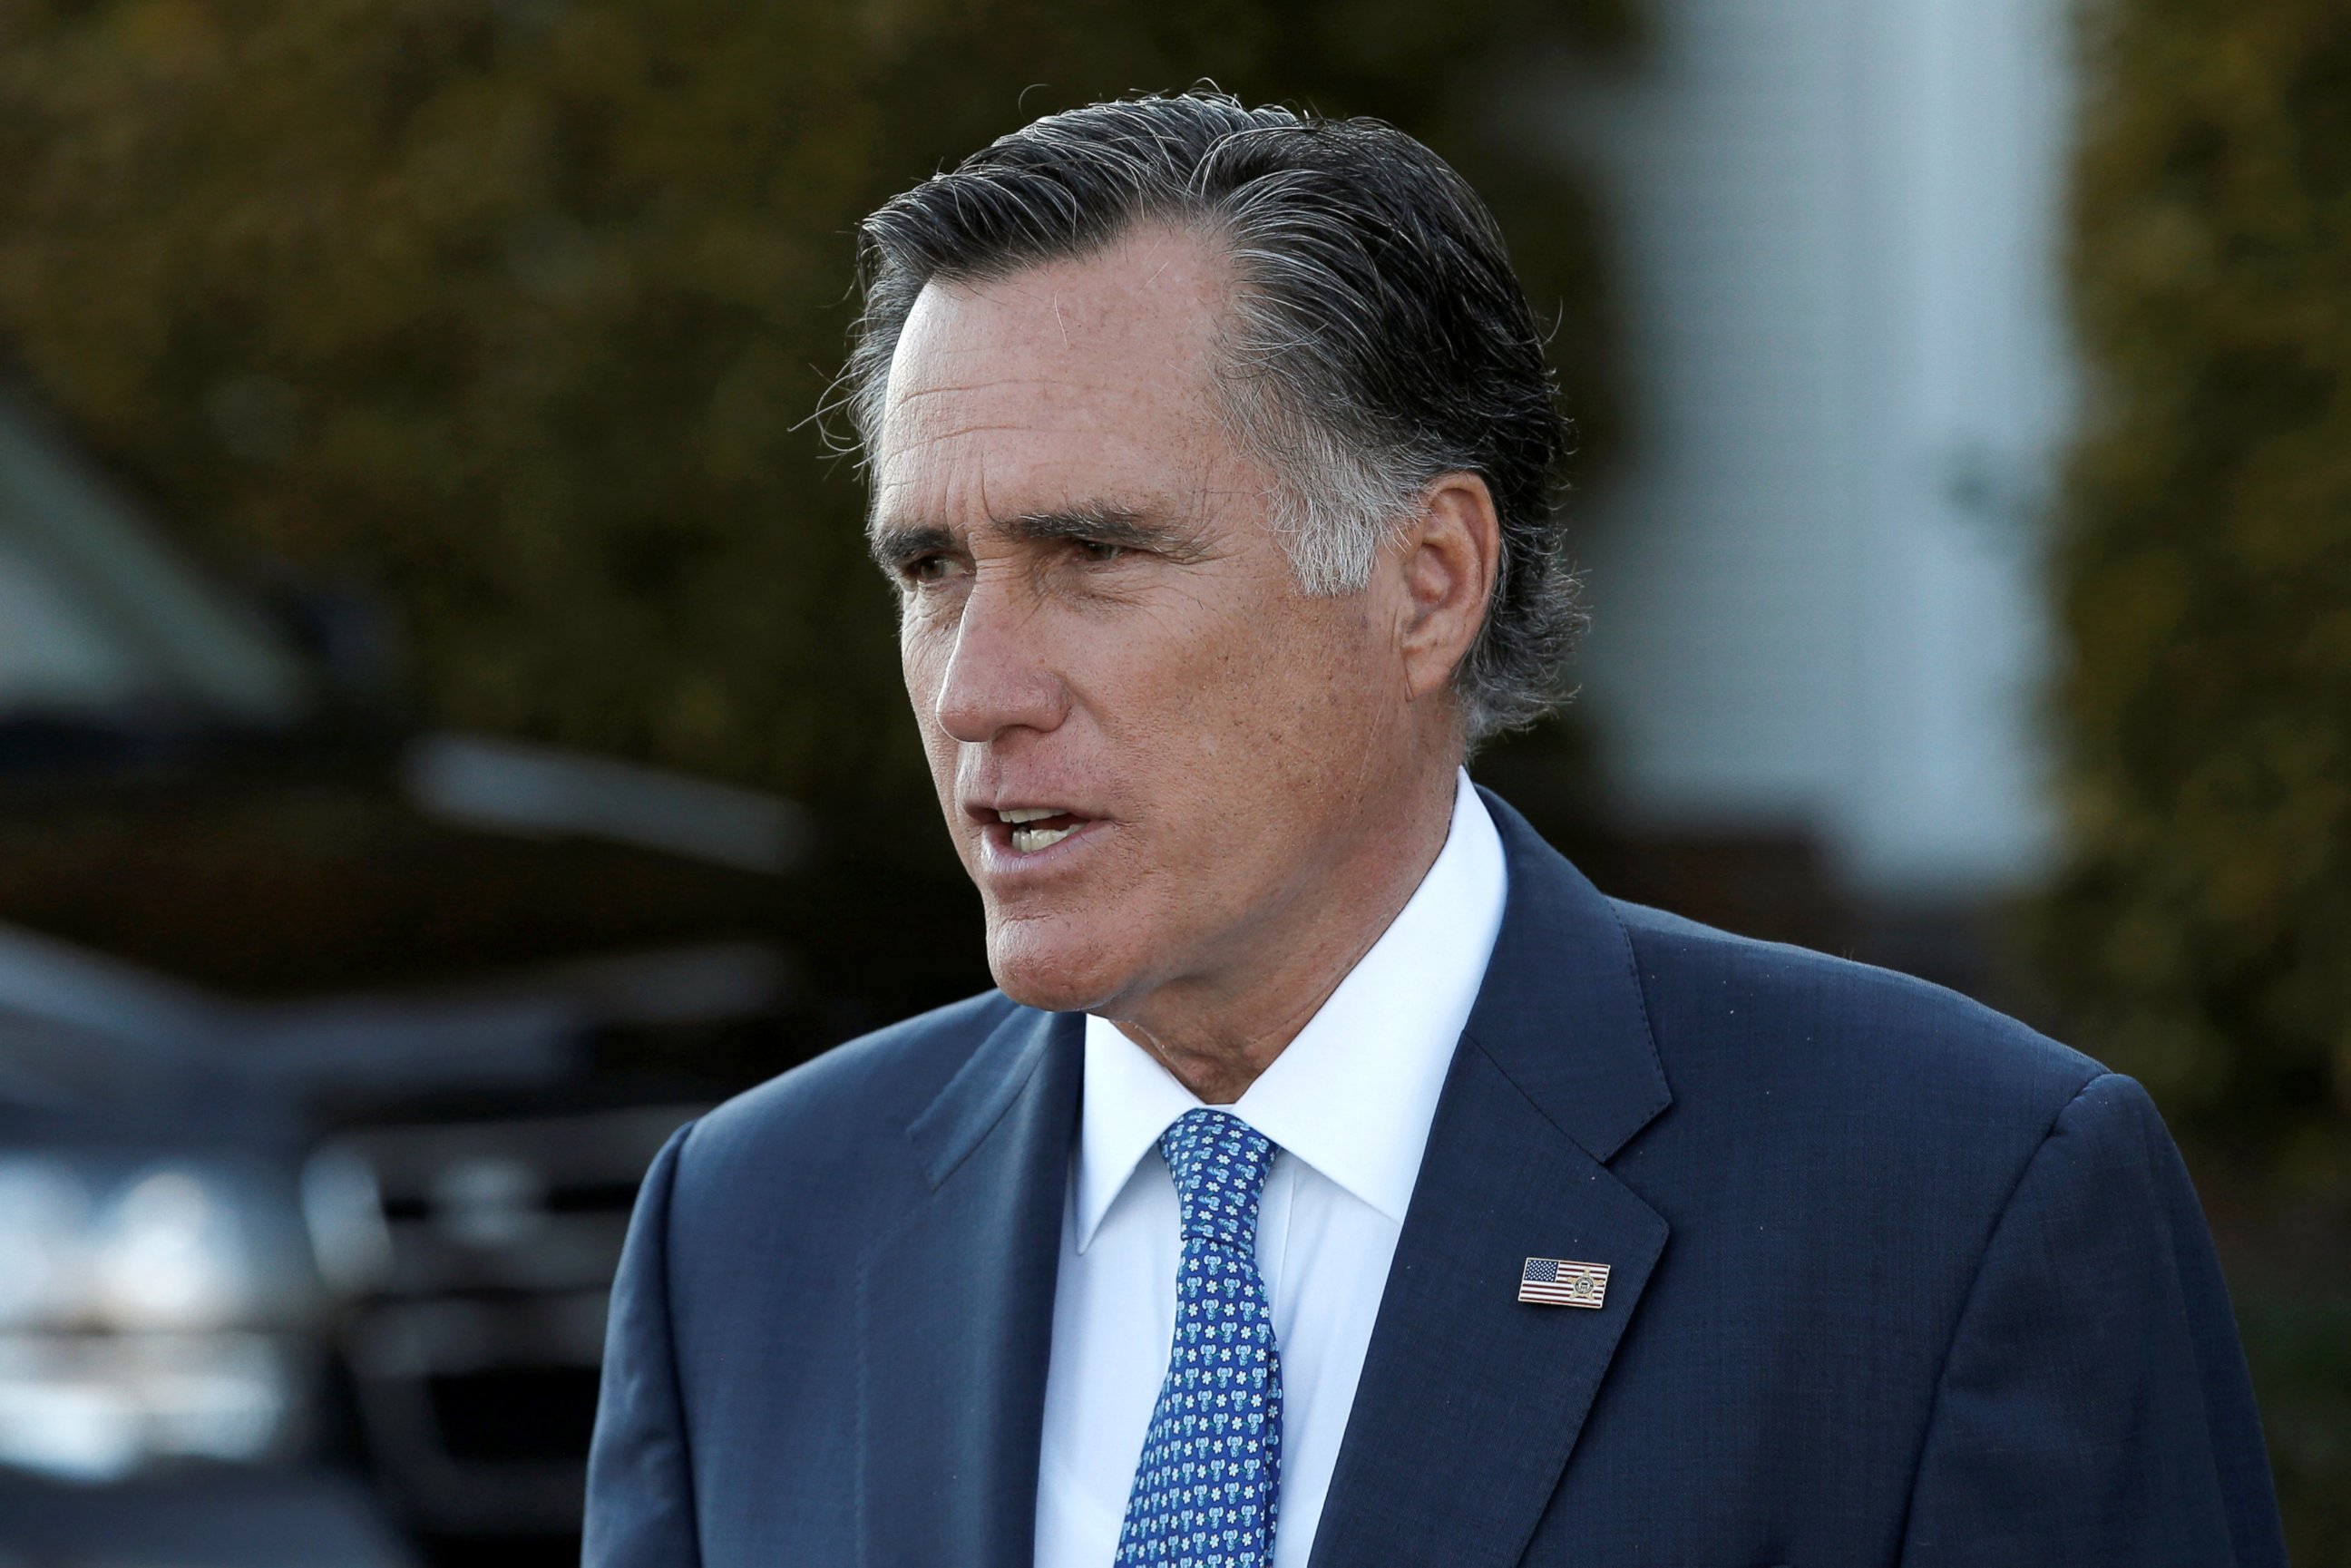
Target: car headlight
point(102, 1408)
point(171, 1252)
point(148, 1311)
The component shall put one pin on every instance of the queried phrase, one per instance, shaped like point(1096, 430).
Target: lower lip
point(1002, 860)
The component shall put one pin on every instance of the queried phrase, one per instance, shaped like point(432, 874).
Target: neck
point(1217, 1033)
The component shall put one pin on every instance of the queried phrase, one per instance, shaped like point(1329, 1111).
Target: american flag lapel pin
point(1560, 1282)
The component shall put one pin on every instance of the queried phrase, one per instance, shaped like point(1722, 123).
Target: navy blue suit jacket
point(1894, 1281)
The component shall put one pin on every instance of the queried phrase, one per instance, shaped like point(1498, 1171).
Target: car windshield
point(100, 620)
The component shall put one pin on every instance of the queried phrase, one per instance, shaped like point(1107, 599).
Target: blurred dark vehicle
point(331, 1051)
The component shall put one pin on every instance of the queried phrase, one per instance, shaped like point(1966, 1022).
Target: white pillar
point(1816, 580)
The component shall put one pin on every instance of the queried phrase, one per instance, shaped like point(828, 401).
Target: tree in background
point(515, 311)
point(2203, 933)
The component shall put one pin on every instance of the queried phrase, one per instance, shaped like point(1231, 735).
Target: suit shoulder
point(877, 1082)
point(1720, 1002)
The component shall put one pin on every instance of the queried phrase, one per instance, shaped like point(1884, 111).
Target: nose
point(997, 676)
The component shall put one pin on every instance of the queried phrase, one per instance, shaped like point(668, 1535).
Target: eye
point(1100, 550)
point(929, 569)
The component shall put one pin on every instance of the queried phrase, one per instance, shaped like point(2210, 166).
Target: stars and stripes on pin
point(1558, 1282)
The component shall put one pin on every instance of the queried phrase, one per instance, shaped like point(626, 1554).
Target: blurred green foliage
point(2205, 928)
point(515, 311)
point(2300, 1348)
point(2203, 936)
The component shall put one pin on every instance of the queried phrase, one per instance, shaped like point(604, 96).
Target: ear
point(1449, 558)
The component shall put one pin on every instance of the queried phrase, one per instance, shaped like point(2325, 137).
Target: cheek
point(1271, 715)
point(1337, 705)
point(921, 655)
point(1308, 666)
point(1179, 686)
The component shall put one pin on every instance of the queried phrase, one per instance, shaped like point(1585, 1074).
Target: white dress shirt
point(1348, 1104)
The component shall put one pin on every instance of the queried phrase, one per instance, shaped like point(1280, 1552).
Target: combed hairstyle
point(1377, 338)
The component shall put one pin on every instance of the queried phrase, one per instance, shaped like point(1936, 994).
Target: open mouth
point(1039, 827)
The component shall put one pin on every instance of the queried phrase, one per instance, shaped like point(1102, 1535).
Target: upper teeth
point(1029, 814)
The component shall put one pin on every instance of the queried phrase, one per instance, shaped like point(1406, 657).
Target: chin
point(1051, 966)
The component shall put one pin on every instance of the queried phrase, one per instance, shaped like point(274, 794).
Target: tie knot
point(1219, 1163)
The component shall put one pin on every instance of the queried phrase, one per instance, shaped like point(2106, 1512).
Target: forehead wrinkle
point(1055, 400)
point(921, 389)
point(933, 437)
point(1041, 289)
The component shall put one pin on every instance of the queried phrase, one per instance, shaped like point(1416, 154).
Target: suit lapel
point(956, 1310)
point(1471, 1401)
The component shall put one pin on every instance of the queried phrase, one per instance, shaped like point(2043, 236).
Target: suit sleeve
point(640, 1480)
point(2093, 1407)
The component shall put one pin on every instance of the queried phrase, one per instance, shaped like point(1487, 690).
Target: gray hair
point(1377, 339)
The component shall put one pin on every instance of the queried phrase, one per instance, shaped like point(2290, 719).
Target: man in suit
point(1336, 1177)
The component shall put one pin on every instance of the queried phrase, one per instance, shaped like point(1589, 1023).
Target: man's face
point(1101, 631)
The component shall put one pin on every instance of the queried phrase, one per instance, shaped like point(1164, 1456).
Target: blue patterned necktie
point(1206, 1487)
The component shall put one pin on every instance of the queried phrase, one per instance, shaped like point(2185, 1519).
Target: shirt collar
point(1354, 1094)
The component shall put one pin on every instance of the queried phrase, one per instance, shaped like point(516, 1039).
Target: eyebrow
point(1092, 522)
point(894, 543)
point(1097, 522)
